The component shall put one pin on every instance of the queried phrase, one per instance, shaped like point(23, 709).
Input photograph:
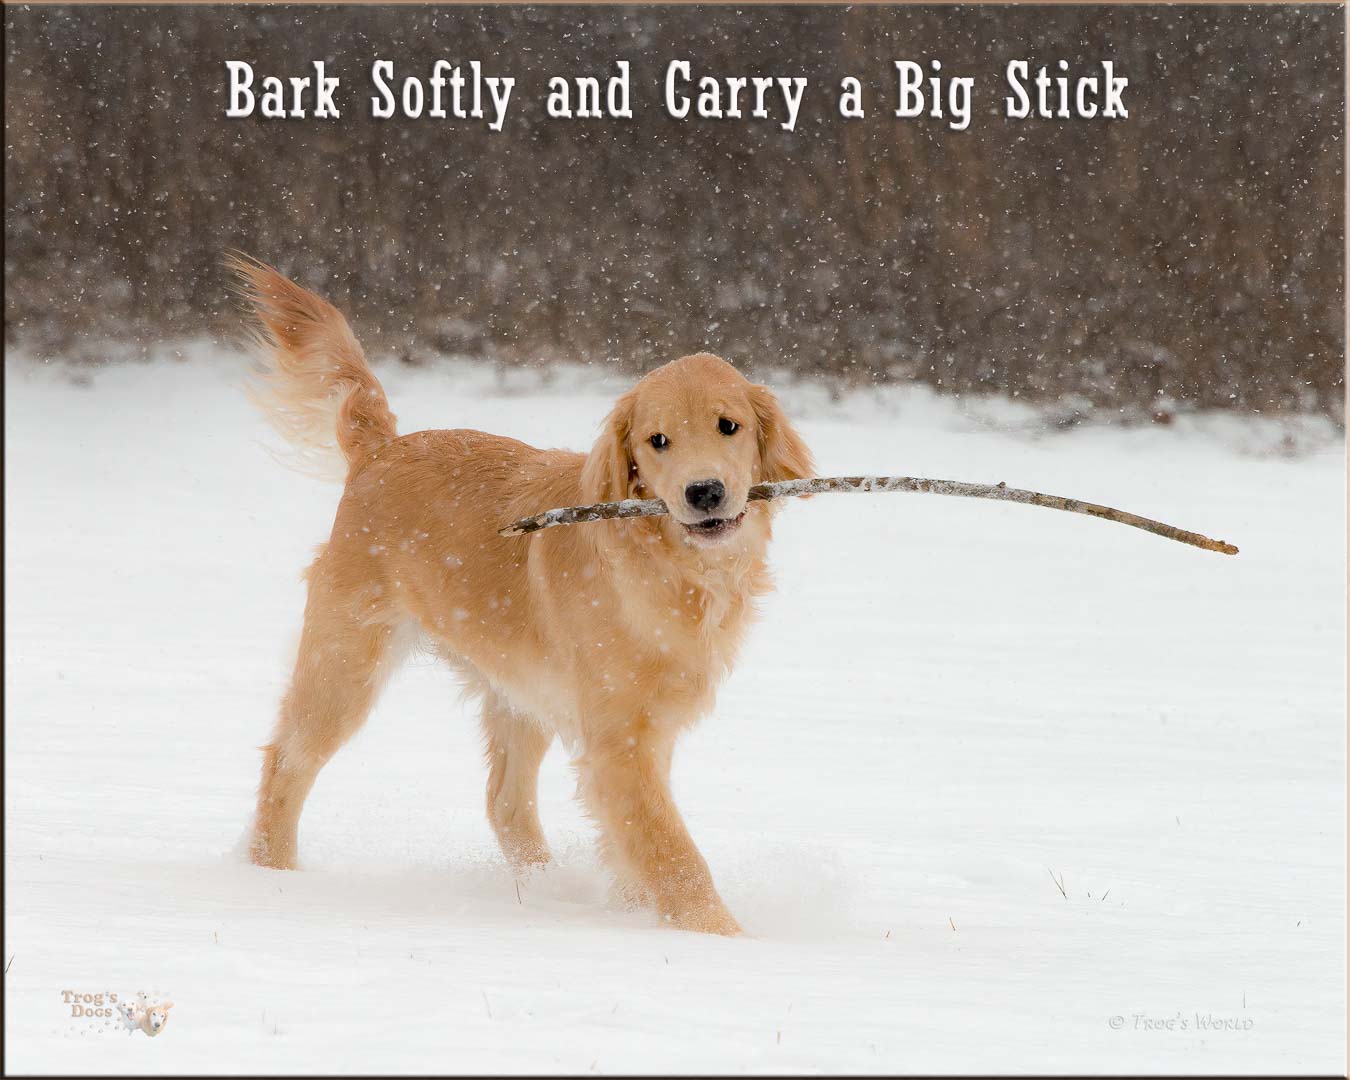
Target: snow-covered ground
point(992, 789)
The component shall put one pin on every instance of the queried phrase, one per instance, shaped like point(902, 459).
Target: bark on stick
point(575, 515)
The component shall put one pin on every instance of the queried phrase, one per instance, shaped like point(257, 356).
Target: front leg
point(625, 782)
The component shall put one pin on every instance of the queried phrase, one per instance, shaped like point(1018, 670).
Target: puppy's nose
point(705, 495)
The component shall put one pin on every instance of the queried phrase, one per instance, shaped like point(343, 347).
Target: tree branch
point(575, 515)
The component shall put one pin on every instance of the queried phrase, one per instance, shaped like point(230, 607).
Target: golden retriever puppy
point(612, 636)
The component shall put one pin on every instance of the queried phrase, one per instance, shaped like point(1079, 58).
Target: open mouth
point(714, 528)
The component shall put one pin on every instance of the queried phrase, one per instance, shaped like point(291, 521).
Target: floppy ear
point(609, 470)
point(782, 453)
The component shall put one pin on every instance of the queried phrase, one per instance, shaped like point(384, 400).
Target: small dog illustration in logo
point(152, 1023)
point(138, 1015)
point(132, 1013)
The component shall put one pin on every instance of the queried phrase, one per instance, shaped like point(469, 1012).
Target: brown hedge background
point(1190, 256)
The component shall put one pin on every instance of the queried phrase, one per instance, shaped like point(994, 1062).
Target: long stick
point(575, 515)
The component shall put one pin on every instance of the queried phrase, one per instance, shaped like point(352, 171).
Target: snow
point(949, 710)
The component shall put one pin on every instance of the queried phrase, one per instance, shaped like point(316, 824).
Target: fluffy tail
point(315, 386)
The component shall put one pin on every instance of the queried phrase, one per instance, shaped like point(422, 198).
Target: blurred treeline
point(1190, 256)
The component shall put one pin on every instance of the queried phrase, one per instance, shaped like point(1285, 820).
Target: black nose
point(705, 495)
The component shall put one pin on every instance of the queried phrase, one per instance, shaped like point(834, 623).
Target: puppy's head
point(695, 434)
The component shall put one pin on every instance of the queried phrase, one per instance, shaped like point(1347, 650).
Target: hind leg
point(516, 746)
point(342, 660)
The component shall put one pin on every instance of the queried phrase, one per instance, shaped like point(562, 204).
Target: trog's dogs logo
point(133, 1014)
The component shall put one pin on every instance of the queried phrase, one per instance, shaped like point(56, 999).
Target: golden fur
point(613, 636)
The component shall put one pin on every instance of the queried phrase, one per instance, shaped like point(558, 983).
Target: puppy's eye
point(728, 427)
point(659, 441)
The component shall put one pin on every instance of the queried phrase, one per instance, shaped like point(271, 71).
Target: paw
point(261, 853)
point(526, 855)
point(710, 918)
